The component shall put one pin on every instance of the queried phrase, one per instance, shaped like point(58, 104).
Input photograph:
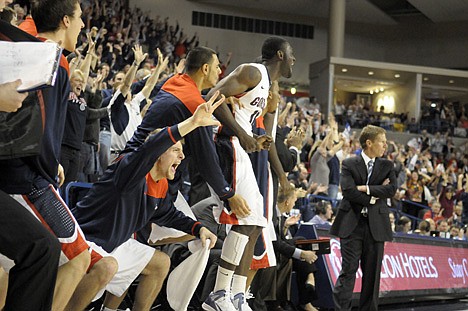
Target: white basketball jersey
point(254, 101)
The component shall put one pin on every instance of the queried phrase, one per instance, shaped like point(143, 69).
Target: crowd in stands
point(431, 170)
point(123, 56)
point(436, 116)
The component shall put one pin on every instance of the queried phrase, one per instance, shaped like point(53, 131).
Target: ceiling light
point(426, 79)
point(397, 75)
point(451, 81)
point(370, 73)
point(381, 89)
point(344, 70)
point(293, 90)
point(371, 92)
point(377, 90)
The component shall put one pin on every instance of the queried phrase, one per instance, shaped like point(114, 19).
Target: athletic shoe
point(219, 301)
point(240, 303)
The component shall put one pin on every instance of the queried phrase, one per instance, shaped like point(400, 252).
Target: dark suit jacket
point(287, 157)
point(282, 246)
point(354, 173)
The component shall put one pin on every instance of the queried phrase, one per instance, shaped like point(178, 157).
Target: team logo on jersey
point(258, 102)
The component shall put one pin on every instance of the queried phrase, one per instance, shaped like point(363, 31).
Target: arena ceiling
point(385, 14)
point(379, 12)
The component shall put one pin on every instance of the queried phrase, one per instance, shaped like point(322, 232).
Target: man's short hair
point(272, 45)
point(78, 73)
point(284, 195)
point(370, 132)
point(197, 57)
point(47, 14)
point(321, 207)
point(403, 220)
point(425, 226)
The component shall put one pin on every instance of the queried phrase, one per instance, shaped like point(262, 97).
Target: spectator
point(447, 198)
point(457, 217)
point(454, 231)
point(124, 108)
point(78, 113)
point(89, 169)
point(324, 213)
point(435, 213)
point(340, 110)
point(443, 227)
point(424, 228)
point(302, 260)
point(432, 224)
point(403, 225)
point(391, 216)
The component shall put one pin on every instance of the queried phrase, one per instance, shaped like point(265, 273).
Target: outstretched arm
point(130, 76)
point(153, 79)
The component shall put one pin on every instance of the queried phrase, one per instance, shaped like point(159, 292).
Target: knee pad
point(233, 247)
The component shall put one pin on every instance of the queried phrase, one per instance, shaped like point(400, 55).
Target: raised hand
point(203, 115)
point(138, 53)
point(296, 138)
point(180, 66)
point(292, 220)
point(91, 43)
point(162, 62)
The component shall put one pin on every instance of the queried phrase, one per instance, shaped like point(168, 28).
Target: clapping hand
point(292, 220)
point(296, 138)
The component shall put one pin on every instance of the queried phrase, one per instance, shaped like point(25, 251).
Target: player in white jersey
point(250, 83)
point(251, 105)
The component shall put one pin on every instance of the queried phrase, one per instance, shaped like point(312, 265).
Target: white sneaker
point(219, 301)
point(240, 303)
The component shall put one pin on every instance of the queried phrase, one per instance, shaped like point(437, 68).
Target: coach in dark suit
point(362, 222)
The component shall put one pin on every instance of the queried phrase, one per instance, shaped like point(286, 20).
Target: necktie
point(370, 166)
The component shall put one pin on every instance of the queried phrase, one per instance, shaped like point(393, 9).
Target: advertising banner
point(409, 266)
